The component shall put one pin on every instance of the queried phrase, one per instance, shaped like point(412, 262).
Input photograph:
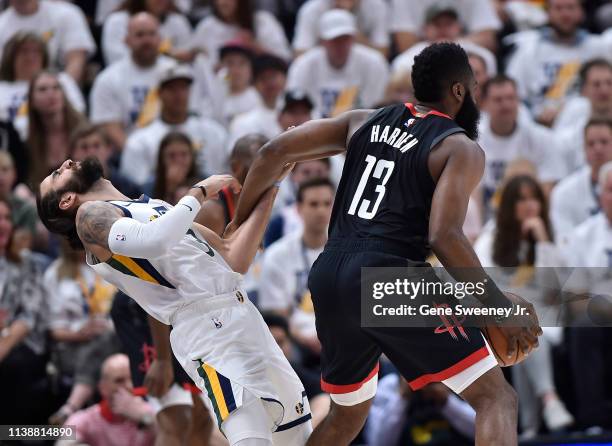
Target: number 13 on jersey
point(382, 169)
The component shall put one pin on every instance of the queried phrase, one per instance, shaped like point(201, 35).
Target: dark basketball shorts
point(350, 352)
point(132, 328)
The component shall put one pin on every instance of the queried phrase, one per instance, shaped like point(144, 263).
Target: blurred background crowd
point(166, 92)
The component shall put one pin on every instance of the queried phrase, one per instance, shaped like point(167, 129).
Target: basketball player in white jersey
point(186, 276)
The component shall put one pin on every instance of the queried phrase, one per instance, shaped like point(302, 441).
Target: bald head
point(115, 374)
point(243, 154)
point(143, 38)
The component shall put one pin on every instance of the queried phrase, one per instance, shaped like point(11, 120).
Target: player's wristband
point(202, 188)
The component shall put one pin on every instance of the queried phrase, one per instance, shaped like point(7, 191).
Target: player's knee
point(509, 397)
point(174, 421)
point(491, 391)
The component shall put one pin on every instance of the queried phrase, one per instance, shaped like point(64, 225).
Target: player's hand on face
point(215, 183)
point(159, 377)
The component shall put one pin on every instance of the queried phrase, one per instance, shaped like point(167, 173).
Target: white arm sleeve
point(149, 240)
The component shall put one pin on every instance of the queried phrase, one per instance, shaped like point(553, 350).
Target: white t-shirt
point(475, 15)
point(68, 306)
point(284, 280)
point(545, 70)
point(572, 201)
point(260, 120)
point(61, 24)
point(127, 93)
point(207, 91)
point(371, 16)
point(404, 61)
point(529, 141)
point(211, 34)
point(139, 158)
point(575, 113)
point(14, 97)
point(360, 83)
point(236, 104)
point(589, 248)
point(175, 32)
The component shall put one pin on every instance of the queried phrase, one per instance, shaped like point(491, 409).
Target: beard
point(90, 170)
point(468, 117)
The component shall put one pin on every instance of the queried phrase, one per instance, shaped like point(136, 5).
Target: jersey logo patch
point(217, 322)
point(409, 122)
point(120, 237)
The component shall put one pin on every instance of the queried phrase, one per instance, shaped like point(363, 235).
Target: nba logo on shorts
point(217, 322)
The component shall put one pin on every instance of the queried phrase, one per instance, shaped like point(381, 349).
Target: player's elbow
point(272, 153)
point(441, 238)
point(240, 265)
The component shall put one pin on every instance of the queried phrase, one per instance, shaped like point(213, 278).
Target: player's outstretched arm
point(104, 231)
point(239, 248)
point(462, 166)
point(315, 139)
point(460, 174)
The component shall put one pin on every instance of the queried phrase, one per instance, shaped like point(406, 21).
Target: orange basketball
point(499, 343)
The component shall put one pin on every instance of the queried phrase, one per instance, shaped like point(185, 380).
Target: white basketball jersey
point(188, 272)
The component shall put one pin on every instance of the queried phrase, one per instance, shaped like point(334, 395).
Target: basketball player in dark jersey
point(407, 179)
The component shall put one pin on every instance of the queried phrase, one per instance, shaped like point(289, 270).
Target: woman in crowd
point(236, 76)
point(174, 29)
point(238, 20)
point(176, 167)
point(23, 322)
point(520, 242)
point(24, 55)
point(51, 120)
point(79, 323)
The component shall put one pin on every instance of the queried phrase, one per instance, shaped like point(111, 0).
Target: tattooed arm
point(94, 220)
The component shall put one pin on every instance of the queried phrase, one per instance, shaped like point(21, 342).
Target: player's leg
point(465, 364)
point(249, 425)
point(349, 358)
point(173, 414)
point(202, 424)
point(172, 425)
point(341, 425)
point(496, 406)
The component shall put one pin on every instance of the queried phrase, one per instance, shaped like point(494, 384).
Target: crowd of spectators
point(166, 92)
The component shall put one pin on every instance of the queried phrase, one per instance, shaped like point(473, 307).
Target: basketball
point(499, 343)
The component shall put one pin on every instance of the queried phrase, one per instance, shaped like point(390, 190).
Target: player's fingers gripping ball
point(512, 341)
